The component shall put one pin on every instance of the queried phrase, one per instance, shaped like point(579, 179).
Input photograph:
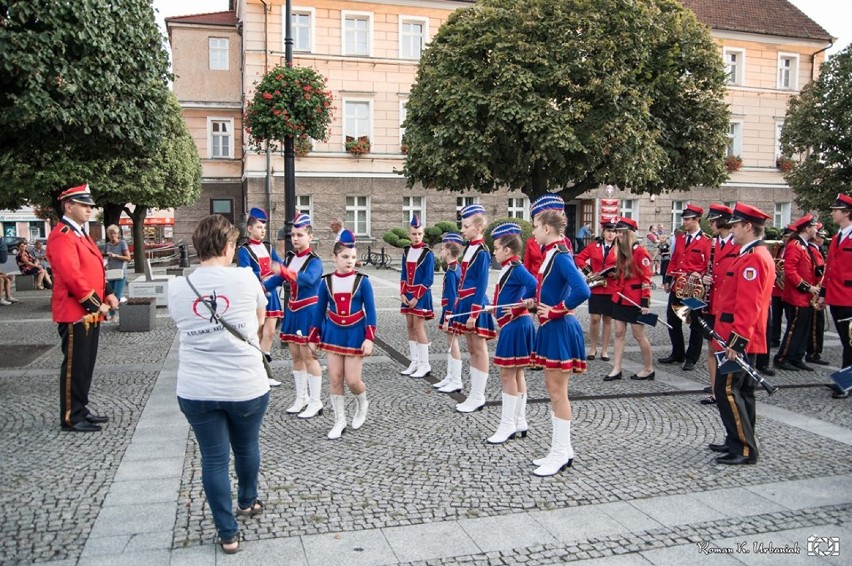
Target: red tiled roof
point(767, 17)
point(228, 18)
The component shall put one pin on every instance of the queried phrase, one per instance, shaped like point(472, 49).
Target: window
point(356, 118)
point(36, 230)
point(735, 66)
point(735, 138)
point(304, 204)
point(413, 33)
point(462, 202)
point(788, 70)
point(223, 206)
point(358, 215)
point(221, 138)
point(677, 209)
point(411, 206)
point(302, 26)
point(356, 33)
point(519, 207)
point(218, 53)
point(630, 209)
point(782, 214)
point(779, 125)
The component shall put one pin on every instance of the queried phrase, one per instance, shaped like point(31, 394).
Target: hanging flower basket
point(785, 164)
point(289, 101)
point(359, 146)
point(303, 146)
point(403, 149)
point(733, 163)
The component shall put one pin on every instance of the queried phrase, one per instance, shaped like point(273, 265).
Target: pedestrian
point(6, 283)
point(592, 261)
point(301, 272)
point(344, 327)
point(117, 254)
point(451, 249)
point(582, 234)
point(472, 320)
point(664, 253)
point(517, 333)
point(222, 386)
point(415, 295)
point(336, 227)
point(743, 306)
point(559, 346)
point(81, 299)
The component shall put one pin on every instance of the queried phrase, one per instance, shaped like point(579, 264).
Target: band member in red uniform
point(690, 254)
point(816, 335)
point(81, 299)
point(800, 287)
point(723, 251)
point(594, 259)
point(743, 303)
point(837, 286)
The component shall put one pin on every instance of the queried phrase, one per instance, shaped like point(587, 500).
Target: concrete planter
point(138, 314)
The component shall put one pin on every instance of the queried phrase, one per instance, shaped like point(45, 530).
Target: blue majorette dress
point(416, 277)
point(450, 291)
point(517, 332)
point(258, 255)
point(303, 274)
point(476, 261)
point(559, 342)
point(345, 314)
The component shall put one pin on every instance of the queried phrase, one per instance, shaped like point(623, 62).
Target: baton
point(632, 302)
point(845, 319)
point(486, 308)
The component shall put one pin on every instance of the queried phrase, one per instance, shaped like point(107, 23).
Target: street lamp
point(289, 145)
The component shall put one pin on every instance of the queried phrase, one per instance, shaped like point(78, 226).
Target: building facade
point(369, 51)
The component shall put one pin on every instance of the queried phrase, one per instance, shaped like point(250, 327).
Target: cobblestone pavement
point(416, 461)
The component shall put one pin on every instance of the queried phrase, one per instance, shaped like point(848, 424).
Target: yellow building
point(369, 52)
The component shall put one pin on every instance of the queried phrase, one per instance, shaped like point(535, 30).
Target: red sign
point(153, 221)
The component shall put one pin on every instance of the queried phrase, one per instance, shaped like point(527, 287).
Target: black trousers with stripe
point(816, 337)
point(735, 398)
point(839, 313)
point(80, 351)
point(696, 334)
point(795, 340)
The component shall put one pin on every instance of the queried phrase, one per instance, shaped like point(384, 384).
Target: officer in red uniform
point(81, 299)
point(816, 335)
point(800, 287)
point(837, 285)
point(743, 305)
point(595, 258)
point(690, 254)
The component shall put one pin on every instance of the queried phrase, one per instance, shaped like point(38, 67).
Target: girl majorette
point(451, 250)
point(415, 294)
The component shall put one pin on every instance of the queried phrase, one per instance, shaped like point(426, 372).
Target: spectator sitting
point(38, 251)
point(28, 265)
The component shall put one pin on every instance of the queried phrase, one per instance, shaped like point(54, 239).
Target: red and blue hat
point(302, 220)
point(259, 214)
point(750, 214)
point(80, 194)
point(505, 229)
point(547, 202)
point(625, 223)
point(692, 211)
point(719, 212)
point(415, 221)
point(452, 238)
point(347, 238)
point(470, 210)
point(842, 202)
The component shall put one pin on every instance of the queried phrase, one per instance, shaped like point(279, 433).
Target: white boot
point(301, 380)
point(506, 430)
point(361, 405)
point(476, 400)
point(562, 455)
point(339, 406)
point(448, 377)
point(539, 461)
point(413, 351)
point(423, 367)
point(314, 407)
point(521, 425)
point(455, 383)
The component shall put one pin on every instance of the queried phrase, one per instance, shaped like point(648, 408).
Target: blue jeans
point(118, 289)
point(220, 426)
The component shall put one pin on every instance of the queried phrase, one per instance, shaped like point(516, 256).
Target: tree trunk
point(138, 216)
point(112, 213)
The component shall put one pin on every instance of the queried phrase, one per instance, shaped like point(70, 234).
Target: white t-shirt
point(214, 365)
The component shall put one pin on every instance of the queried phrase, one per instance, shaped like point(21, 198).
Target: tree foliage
point(563, 96)
point(819, 127)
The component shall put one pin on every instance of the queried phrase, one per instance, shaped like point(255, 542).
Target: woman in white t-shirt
point(222, 386)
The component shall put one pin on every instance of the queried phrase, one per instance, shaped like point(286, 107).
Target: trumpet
point(689, 286)
point(599, 279)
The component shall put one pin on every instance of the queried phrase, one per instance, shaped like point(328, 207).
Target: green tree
point(818, 126)
point(563, 96)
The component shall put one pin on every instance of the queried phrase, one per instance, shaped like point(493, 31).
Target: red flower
point(267, 96)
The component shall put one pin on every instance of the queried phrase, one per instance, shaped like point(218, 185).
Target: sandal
point(255, 509)
point(233, 544)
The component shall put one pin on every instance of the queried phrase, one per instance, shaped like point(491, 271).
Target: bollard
point(184, 255)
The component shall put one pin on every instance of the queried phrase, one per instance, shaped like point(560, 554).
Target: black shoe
point(802, 366)
point(768, 371)
point(723, 448)
point(670, 360)
point(785, 366)
point(688, 366)
point(93, 418)
point(735, 460)
point(816, 360)
point(708, 401)
point(613, 377)
point(638, 377)
point(82, 426)
point(590, 357)
point(839, 394)
point(708, 389)
point(605, 358)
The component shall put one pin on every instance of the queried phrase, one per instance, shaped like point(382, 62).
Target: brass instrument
point(689, 286)
point(599, 279)
point(775, 248)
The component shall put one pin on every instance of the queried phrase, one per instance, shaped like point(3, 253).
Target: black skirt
point(601, 304)
point(625, 313)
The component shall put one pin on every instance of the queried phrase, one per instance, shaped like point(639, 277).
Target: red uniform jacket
point(79, 279)
point(744, 301)
point(638, 287)
point(837, 284)
point(689, 259)
point(799, 273)
point(591, 260)
point(722, 260)
point(533, 256)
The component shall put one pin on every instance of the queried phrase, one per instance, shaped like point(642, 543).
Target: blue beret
point(259, 214)
point(415, 221)
point(301, 220)
point(505, 229)
point(347, 238)
point(452, 238)
point(547, 202)
point(470, 210)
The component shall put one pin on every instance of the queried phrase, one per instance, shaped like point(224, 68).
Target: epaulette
point(65, 229)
